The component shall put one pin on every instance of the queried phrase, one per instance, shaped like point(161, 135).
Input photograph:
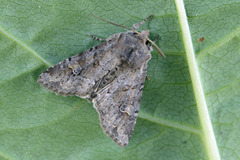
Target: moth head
point(144, 35)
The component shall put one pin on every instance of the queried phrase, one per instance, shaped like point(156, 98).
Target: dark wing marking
point(80, 74)
point(118, 104)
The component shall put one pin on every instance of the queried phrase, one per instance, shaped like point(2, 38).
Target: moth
point(110, 75)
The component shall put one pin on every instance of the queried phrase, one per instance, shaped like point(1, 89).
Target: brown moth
point(111, 75)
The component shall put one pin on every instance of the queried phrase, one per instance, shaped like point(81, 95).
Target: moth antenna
point(96, 38)
point(116, 24)
point(157, 48)
point(136, 26)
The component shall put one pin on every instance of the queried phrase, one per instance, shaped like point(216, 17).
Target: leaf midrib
point(208, 136)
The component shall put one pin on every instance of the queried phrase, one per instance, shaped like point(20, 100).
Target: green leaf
point(178, 119)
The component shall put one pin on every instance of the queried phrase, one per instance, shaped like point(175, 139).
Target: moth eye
point(147, 43)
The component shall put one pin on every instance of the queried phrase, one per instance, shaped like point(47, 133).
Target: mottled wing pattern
point(111, 75)
point(80, 74)
point(118, 103)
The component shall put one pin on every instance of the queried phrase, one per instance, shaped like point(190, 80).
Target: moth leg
point(96, 38)
point(136, 26)
point(156, 38)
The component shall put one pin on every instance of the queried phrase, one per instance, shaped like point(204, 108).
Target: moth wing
point(118, 104)
point(79, 74)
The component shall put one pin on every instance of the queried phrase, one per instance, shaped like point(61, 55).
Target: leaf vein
point(24, 45)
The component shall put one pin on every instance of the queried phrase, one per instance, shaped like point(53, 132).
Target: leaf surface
point(36, 124)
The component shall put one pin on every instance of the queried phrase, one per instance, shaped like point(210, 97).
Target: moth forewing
point(111, 75)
